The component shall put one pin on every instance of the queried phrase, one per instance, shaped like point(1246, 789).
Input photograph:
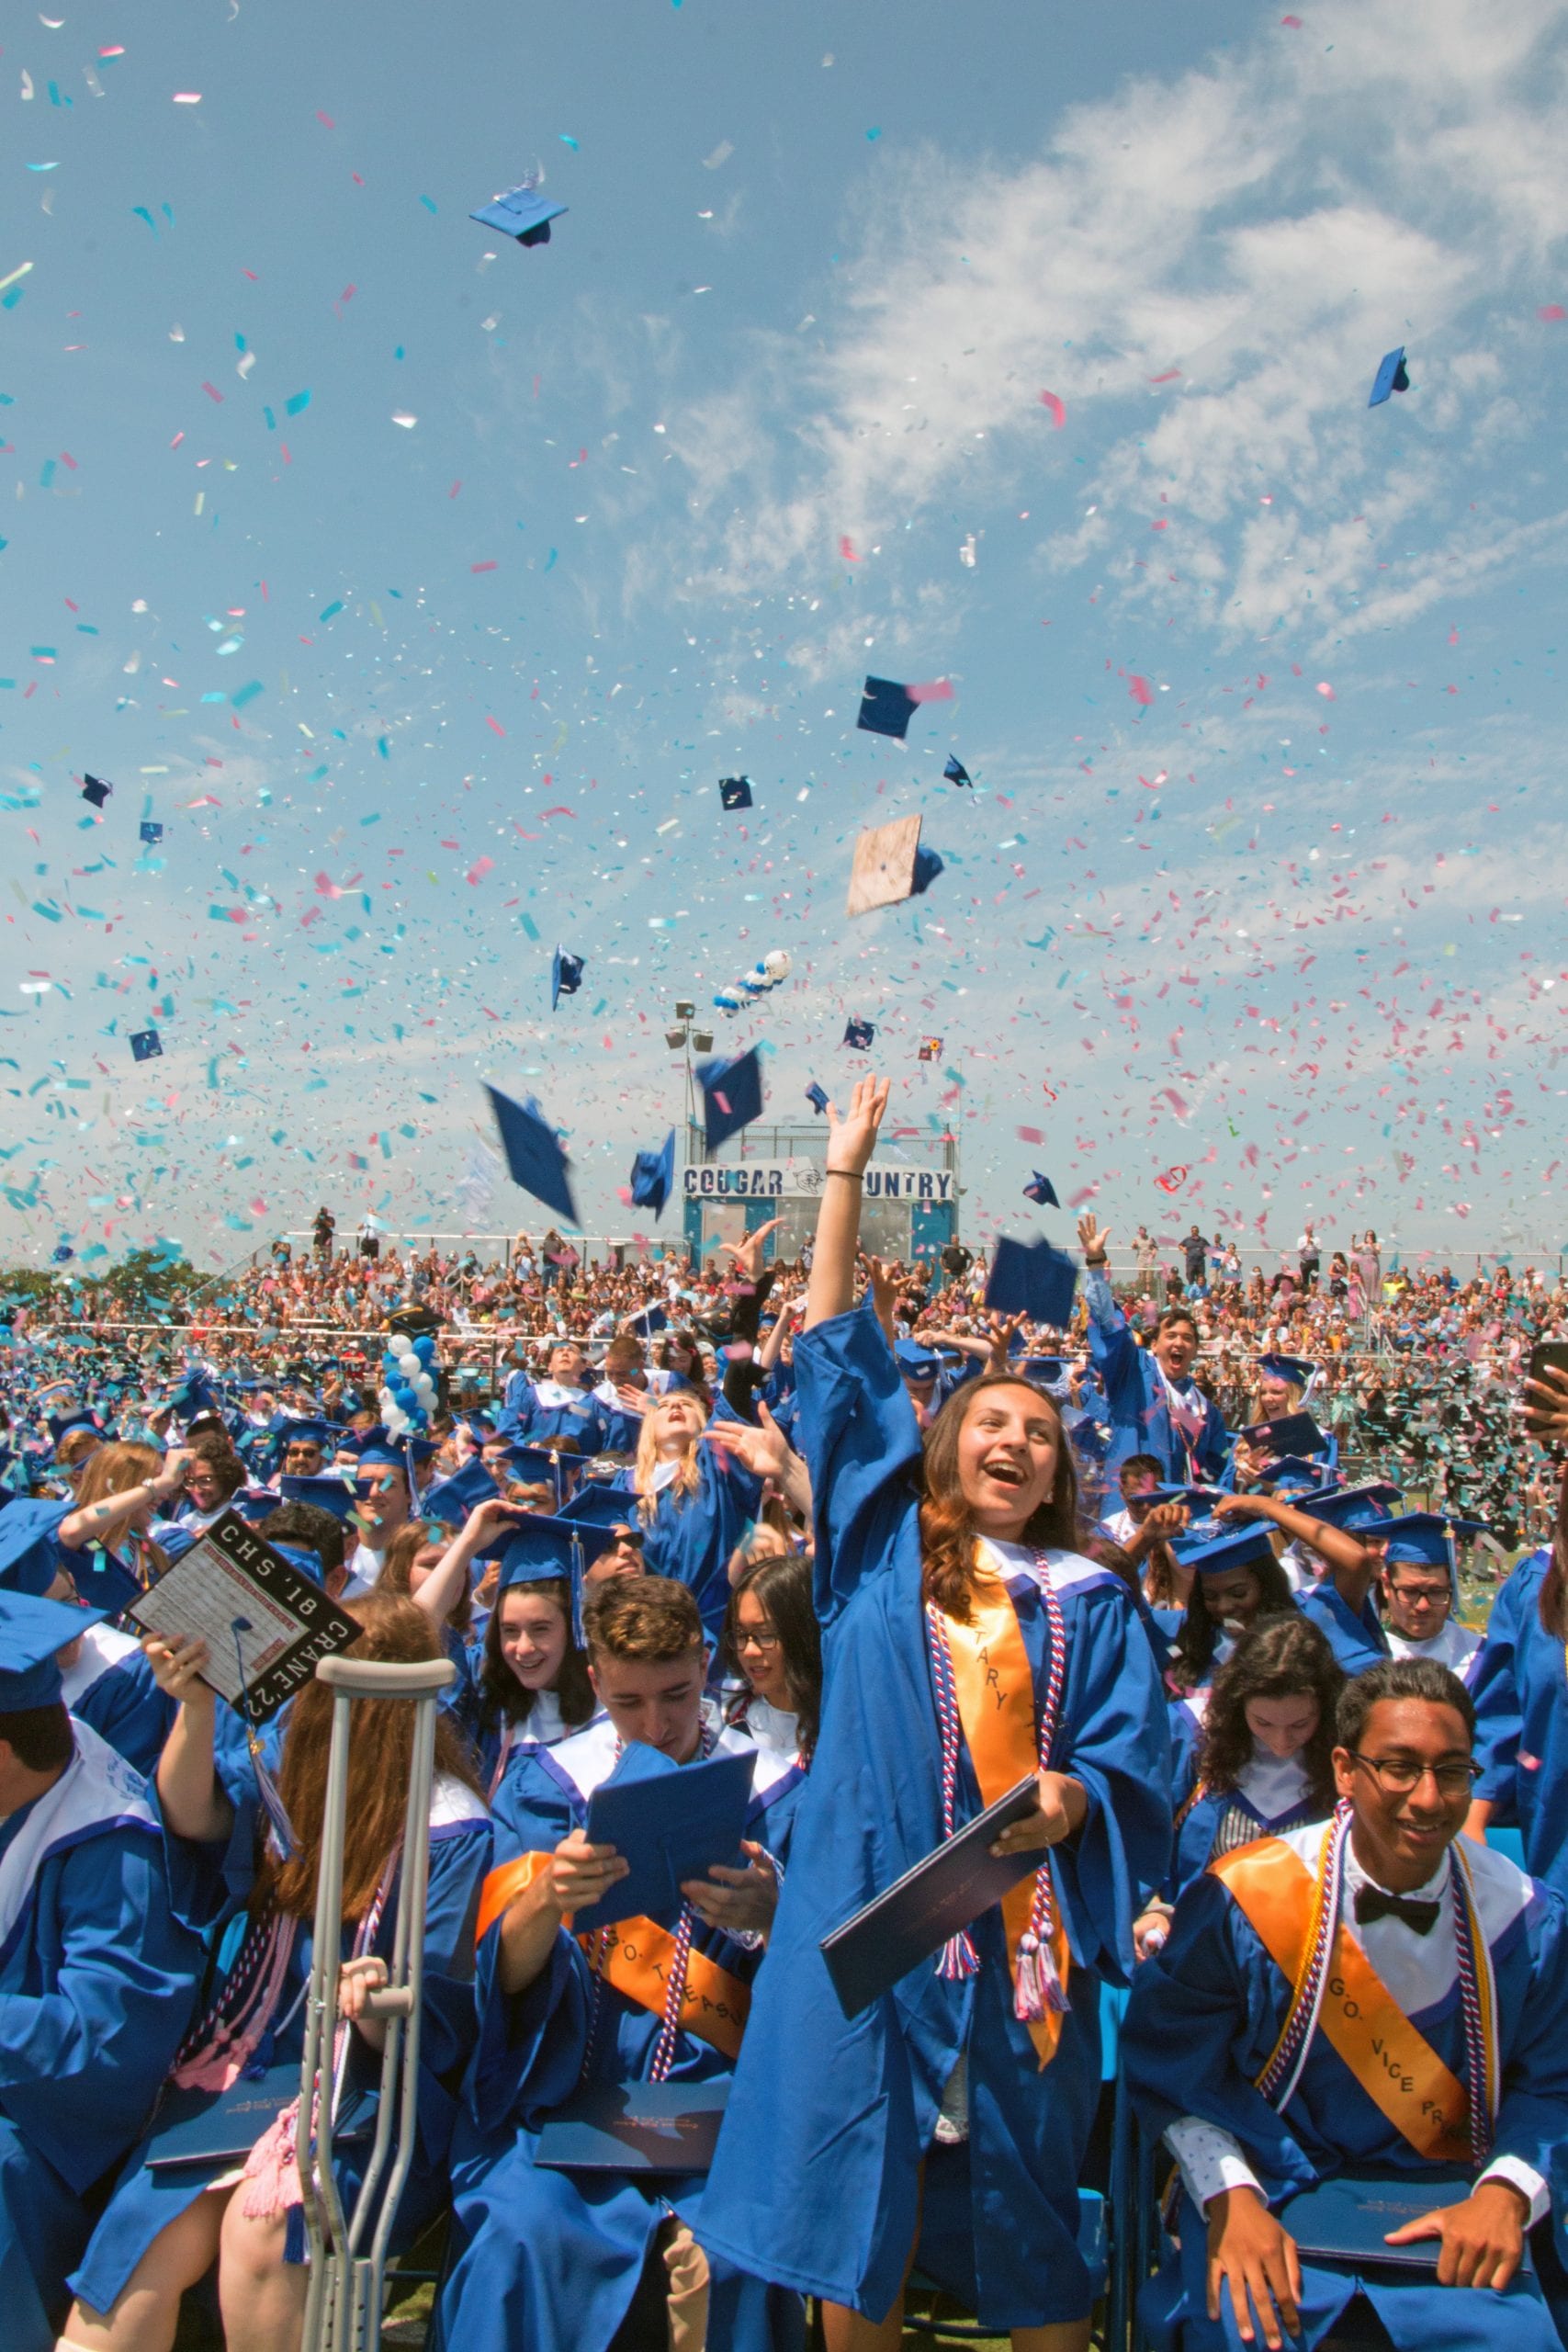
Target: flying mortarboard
point(653, 1176)
point(151, 831)
point(1390, 378)
point(732, 1096)
point(1042, 1191)
point(1032, 1279)
point(889, 866)
point(94, 790)
point(146, 1046)
point(534, 1159)
point(566, 976)
point(817, 1096)
point(521, 212)
point(859, 1034)
point(31, 1633)
point(648, 1320)
point(735, 791)
point(956, 773)
point(886, 707)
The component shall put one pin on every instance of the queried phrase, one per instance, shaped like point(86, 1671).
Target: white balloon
point(777, 964)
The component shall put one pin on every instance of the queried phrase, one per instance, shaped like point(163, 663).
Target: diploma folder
point(952, 1886)
point(1291, 1433)
point(1344, 2221)
point(638, 2127)
point(671, 1825)
point(195, 2126)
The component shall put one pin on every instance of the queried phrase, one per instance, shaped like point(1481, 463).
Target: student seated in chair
point(1368, 1995)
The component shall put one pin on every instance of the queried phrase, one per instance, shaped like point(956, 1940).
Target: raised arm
point(442, 1589)
point(1354, 1565)
point(851, 1142)
point(103, 1523)
point(189, 1791)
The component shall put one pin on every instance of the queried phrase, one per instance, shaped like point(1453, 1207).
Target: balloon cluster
point(764, 974)
point(408, 1392)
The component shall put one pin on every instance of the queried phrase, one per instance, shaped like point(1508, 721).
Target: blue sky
point(423, 586)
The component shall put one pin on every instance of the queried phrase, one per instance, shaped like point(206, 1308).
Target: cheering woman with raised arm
point(966, 1645)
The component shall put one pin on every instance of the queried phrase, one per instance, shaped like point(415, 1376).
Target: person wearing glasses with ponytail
point(1375, 2001)
point(966, 1646)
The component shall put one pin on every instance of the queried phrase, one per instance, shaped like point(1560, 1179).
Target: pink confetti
point(476, 873)
point(495, 723)
point(1294, 23)
point(325, 121)
point(1550, 312)
point(846, 549)
point(1140, 690)
point(1171, 375)
point(1327, 691)
point(934, 690)
point(1172, 1181)
point(1058, 409)
point(211, 391)
point(491, 566)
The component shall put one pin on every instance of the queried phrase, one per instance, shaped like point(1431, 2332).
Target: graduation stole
point(640, 1959)
point(1336, 1989)
point(985, 1686)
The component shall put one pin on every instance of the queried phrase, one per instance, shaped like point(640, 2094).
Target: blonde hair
point(114, 1469)
point(688, 1471)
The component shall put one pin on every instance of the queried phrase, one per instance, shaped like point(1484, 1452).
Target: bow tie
point(1371, 1903)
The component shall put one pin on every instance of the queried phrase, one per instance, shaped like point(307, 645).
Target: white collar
point(1065, 1569)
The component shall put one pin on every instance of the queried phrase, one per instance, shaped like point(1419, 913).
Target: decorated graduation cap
point(535, 1160)
point(653, 1176)
point(1032, 1279)
point(522, 212)
point(1041, 1189)
point(735, 791)
point(1390, 378)
point(1295, 1369)
point(732, 1096)
point(28, 1560)
point(566, 976)
point(151, 831)
point(322, 1493)
point(956, 773)
point(1220, 1554)
point(32, 1632)
point(1357, 1510)
point(858, 1035)
point(451, 1500)
point(916, 1361)
point(889, 865)
point(94, 790)
point(1418, 1536)
point(818, 1097)
point(146, 1046)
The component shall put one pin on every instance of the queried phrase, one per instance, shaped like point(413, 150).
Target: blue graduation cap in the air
point(566, 976)
point(521, 212)
point(732, 1096)
point(956, 773)
point(1032, 1279)
point(94, 790)
point(534, 1159)
point(735, 791)
point(146, 1046)
point(886, 707)
point(1390, 378)
point(151, 831)
point(927, 865)
point(1042, 1191)
point(859, 1034)
point(817, 1096)
point(653, 1176)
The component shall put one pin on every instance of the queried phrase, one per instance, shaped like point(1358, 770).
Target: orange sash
point(994, 1685)
point(635, 1956)
point(1394, 2064)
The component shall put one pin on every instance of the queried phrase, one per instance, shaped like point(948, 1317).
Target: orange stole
point(635, 1957)
point(1395, 2065)
point(994, 1685)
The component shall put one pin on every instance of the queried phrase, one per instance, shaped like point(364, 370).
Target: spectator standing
point(322, 1231)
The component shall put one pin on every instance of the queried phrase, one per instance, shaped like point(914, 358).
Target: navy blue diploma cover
point(1344, 2221)
point(867, 1956)
point(196, 2127)
point(671, 1825)
point(1291, 1433)
point(636, 2127)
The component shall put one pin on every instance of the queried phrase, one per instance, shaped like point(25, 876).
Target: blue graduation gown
point(1134, 1394)
point(548, 2261)
point(1521, 1732)
point(97, 1975)
point(1204, 2016)
point(691, 1537)
point(1199, 1826)
point(817, 2182)
point(1355, 1636)
point(533, 1422)
point(214, 1880)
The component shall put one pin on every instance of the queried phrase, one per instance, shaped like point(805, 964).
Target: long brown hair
point(948, 1533)
point(1553, 1603)
point(380, 1750)
point(505, 1700)
point(1283, 1657)
point(113, 1469)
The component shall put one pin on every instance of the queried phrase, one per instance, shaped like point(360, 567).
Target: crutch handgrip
point(391, 2001)
point(366, 1677)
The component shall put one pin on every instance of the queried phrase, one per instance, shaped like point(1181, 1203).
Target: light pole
point(682, 1039)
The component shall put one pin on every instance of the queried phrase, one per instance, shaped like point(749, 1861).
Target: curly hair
point(948, 1533)
point(1281, 1656)
point(505, 1700)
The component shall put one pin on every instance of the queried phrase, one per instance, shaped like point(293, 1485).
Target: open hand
point(1092, 1235)
point(1546, 1407)
point(852, 1139)
point(765, 1451)
point(743, 1901)
point(1483, 2237)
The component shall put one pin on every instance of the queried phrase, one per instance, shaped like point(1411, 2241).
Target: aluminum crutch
point(343, 2308)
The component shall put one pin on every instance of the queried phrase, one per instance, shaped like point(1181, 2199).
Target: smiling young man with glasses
point(1375, 2002)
